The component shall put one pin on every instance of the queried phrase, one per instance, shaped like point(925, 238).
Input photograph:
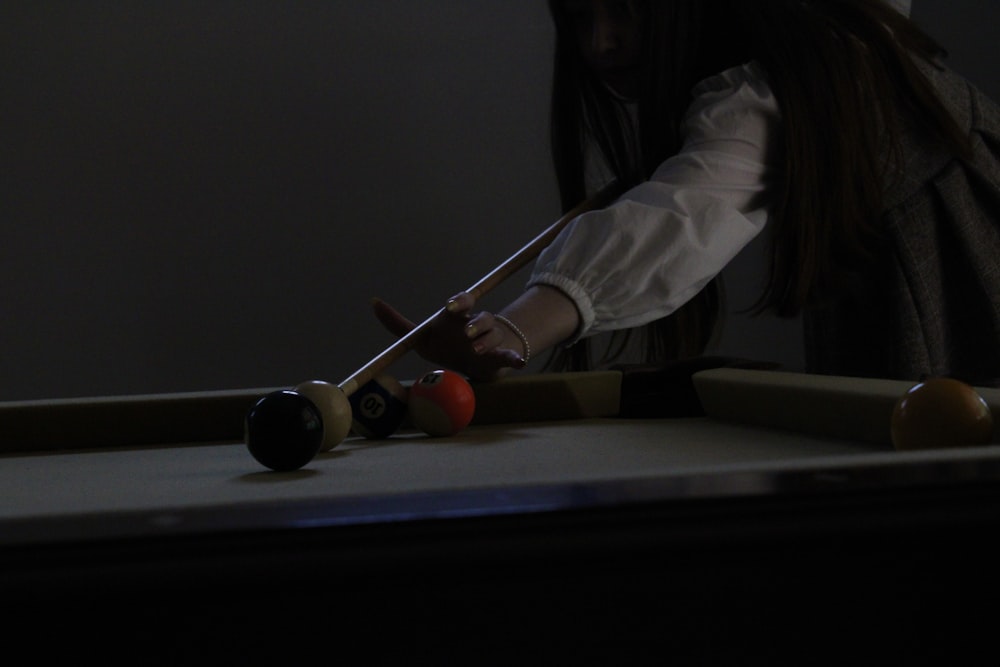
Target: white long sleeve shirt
point(661, 242)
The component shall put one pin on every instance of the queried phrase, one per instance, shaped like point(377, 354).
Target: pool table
point(715, 513)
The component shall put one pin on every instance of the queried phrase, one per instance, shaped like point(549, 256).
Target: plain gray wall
point(203, 195)
point(207, 194)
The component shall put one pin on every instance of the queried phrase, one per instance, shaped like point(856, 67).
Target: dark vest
point(934, 307)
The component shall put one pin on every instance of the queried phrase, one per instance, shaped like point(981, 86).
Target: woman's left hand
point(458, 339)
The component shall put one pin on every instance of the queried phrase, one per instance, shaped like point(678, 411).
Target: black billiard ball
point(284, 430)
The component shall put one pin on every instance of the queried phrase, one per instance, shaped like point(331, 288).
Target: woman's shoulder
point(744, 85)
point(749, 77)
point(970, 106)
point(731, 99)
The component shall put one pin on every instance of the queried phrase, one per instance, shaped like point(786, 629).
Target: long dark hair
point(847, 81)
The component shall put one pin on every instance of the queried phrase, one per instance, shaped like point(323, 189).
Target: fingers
point(488, 337)
point(508, 358)
point(391, 318)
point(482, 330)
point(466, 341)
point(461, 303)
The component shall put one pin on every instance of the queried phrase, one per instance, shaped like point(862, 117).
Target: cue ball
point(442, 403)
point(940, 412)
point(334, 408)
point(379, 407)
point(284, 430)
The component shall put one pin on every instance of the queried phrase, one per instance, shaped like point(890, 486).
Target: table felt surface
point(505, 467)
point(498, 457)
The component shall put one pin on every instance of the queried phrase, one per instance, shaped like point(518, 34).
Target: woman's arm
point(639, 258)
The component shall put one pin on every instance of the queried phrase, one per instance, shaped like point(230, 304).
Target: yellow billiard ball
point(334, 408)
point(940, 412)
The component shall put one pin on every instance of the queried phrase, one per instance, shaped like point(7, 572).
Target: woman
point(831, 126)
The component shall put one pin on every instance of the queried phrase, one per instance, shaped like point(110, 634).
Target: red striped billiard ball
point(442, 403)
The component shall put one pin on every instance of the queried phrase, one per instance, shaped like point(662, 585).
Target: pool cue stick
point(485, 284)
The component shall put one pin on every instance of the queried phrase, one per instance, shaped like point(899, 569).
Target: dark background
point(206, 195)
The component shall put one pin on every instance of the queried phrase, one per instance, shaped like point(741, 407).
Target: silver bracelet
point(517, 332)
